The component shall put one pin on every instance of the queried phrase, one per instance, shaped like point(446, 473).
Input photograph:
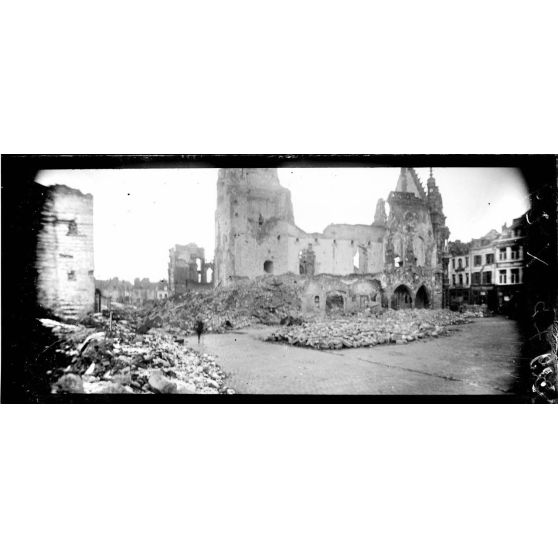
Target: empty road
point(476, 359)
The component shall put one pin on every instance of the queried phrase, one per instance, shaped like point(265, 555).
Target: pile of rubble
point(401, 326)
point(113, 358)
point(266, 300)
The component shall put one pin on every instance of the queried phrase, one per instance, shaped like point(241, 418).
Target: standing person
point(199, 327)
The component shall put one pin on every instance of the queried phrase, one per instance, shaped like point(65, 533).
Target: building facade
point(139, 292)
point(489, 270)
point(400, 254)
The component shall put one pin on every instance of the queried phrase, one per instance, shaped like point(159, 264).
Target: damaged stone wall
point(352, 293)
point(65, 260)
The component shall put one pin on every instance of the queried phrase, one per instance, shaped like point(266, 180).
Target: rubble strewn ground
point(133, 350)
point(401, 326)
point(266, 300)
point(108, 356)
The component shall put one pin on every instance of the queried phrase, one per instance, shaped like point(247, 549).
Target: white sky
point(140, 213)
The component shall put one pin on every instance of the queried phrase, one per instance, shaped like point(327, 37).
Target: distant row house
point(138, 293)
point(489, 270)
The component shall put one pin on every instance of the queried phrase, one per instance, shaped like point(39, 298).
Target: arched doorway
point(98, 300)
point(378, 292)
point(268, 266)
point(422, 298)
point(335, 302)
point(401, 298)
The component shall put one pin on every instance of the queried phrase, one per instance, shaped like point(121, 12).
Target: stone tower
point(252, 222)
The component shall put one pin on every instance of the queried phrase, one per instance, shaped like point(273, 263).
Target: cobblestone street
point(478, 358)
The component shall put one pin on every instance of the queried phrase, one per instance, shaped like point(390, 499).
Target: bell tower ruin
point(251, 224)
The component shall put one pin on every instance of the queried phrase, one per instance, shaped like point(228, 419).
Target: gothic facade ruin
point(396, 260)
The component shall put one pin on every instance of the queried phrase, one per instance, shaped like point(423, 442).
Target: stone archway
point(422, 298)
point(401, 298)
point(378, 291)
point(335, 302)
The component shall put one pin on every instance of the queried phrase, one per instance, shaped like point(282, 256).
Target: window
point(261, 220)
point(461, 279)
point(487, 277)
point(502, 278)
point(503, 254)
point(467, 261)
point(478, 260)
point(72, 228)
point(515, 253)
point(515, 275)
point(71, 275)
point(489, 259)
point(476, 278)
point(268, 266)
point(453, 279)
point(453, 263)
point(317, 301)
point(466, 278)
point(356, 260)
point(459, 263)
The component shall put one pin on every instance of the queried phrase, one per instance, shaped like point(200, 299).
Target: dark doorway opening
point(98, 300)
point(422, 299)
point(268, 266)
point(335, 303)
point(401, 298)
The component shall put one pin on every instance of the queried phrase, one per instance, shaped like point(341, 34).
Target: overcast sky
point(140, 213)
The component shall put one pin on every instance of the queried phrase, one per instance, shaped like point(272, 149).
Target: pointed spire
point(380, 217)
point(403, 180)
point(431, 182)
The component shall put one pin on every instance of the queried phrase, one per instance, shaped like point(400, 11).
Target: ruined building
point(395, 260)
point(188, 268)
point(66, 285)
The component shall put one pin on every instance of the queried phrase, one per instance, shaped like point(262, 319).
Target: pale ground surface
point(478, 358)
